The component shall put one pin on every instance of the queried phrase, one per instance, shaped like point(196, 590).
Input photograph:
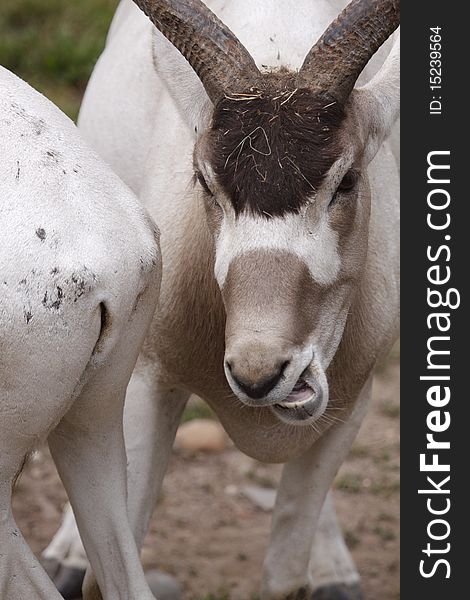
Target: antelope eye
point(347, 184)
point(203, 183)
point(349, 181)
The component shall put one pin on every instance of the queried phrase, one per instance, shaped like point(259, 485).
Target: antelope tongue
point(301, 393)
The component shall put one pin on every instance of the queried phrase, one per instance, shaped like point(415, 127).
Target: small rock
point(264, 498)
point(231, 490)
point(201, 435)
point(163, 586)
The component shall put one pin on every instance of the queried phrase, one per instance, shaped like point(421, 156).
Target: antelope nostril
point(259, 388)
point(284, 366)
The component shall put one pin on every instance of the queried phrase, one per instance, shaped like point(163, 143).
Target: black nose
point(258, 389)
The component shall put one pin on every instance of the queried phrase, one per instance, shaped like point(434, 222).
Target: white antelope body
point(79, 279)
point(277, 199)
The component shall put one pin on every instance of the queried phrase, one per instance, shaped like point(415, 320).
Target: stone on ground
point(201, 435)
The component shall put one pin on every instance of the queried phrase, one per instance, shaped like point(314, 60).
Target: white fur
point(66, 544)
point(317, 247)
point(380, 100)
point(80, 268)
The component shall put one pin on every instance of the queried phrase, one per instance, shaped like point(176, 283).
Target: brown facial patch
point(272, 149)
point(271, 293)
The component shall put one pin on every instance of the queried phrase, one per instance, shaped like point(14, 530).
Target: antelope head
point(281, 167)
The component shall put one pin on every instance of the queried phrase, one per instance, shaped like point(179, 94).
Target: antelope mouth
point(301, 394)
point(304, 403)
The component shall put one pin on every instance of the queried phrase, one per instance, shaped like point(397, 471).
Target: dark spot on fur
point(53, 155)
point(271, 149)
point(137, 302)
point(55, 302)
point(41, 233)
point(54, 271)
point(18, 170)
point(79, 286)
point(28, 316)
point(60, 295)
point(37, 125)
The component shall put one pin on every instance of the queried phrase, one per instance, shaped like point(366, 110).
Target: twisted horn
point(338, 58)
point(214, 52)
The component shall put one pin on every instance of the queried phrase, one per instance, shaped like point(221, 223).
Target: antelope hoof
point(69, 581)
point(338, 592)
point(91, 591)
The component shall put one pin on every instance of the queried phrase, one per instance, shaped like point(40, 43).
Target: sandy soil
point(212, 538)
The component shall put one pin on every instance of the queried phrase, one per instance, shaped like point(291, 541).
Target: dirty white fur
point(148, 138)
point(80, 270)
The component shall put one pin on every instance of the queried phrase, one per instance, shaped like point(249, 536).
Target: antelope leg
point(291, 564)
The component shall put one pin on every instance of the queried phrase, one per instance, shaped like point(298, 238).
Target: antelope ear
point(183, 85)
point(378, 103)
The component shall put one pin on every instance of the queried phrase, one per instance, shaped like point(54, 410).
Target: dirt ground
point(213, 539)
